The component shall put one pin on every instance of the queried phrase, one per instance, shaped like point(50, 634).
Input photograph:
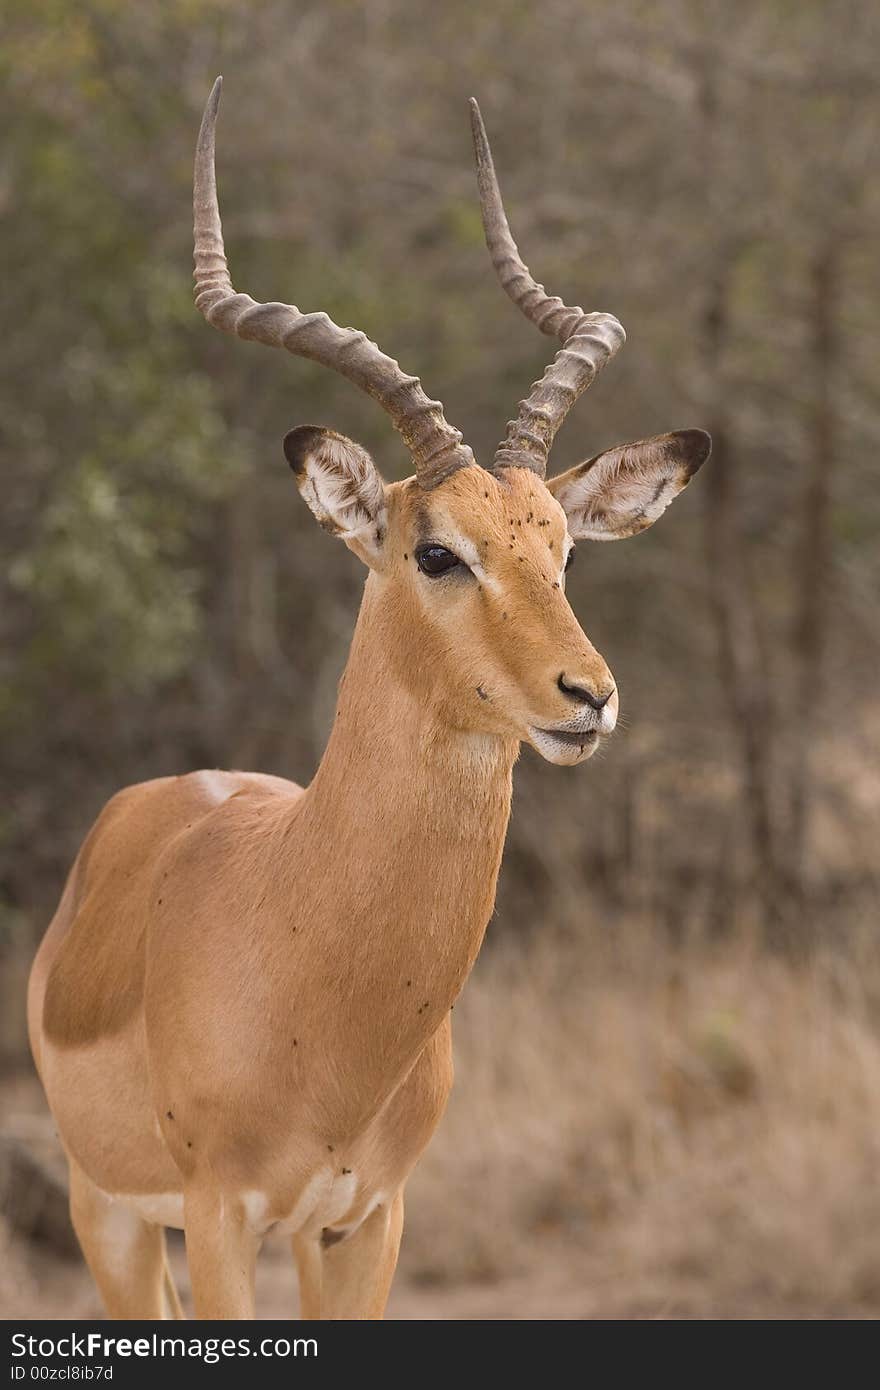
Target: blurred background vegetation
point(710, 174)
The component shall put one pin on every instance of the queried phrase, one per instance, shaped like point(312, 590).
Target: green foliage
point(119, 447)
point(114, 600)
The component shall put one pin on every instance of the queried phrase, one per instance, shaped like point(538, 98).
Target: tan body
point(212, 959)
point(241, 1010)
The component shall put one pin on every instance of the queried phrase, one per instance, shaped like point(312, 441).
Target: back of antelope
point(241, 1009)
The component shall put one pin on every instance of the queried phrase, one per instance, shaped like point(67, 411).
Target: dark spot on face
point(556, 584)
point(485, 494)
point(408, 983)
point(295, 1043)
point(159, 903)
point(170, 1114)
point(481, 692)
point(405, 556)
point(189, 1143)
point(330, 1148)
point(346, 1171)
point(423, 524)
point(504, 617)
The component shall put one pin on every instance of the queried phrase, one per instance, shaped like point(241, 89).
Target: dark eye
point(435, 559)
point(570, 559)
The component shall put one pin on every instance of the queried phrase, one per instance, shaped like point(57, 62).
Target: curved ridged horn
point(435, 446)
point(589, 340)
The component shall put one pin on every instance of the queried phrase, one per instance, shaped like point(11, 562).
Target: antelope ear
point(342, 486)
point(625, 490)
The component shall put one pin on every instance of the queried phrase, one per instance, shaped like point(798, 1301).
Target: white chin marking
point(562, 752)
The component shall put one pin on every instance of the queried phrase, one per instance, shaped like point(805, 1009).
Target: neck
point(413, 815)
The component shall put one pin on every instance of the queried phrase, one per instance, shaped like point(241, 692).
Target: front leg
point(221, 1252)
point(351, 1279)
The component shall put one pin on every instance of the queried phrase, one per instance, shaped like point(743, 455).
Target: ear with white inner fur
point(342, 486)
point(625, 490)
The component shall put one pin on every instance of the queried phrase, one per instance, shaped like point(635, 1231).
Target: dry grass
point(698, 1133)
point(670, 1135)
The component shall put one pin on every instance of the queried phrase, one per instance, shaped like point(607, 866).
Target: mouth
point(564, 746)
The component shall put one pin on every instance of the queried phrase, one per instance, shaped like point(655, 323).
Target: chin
point(564, 749)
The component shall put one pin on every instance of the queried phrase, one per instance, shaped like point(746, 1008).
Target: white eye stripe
point(465, 549)
point(467, 552)
point(485, 579)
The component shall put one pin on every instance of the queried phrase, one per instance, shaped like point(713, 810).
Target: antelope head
point(471, 559)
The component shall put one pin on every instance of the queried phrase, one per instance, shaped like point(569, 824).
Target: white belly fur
point(161, 1208)
point(325, 1200)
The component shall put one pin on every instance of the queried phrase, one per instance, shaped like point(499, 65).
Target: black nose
point(580, 693)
